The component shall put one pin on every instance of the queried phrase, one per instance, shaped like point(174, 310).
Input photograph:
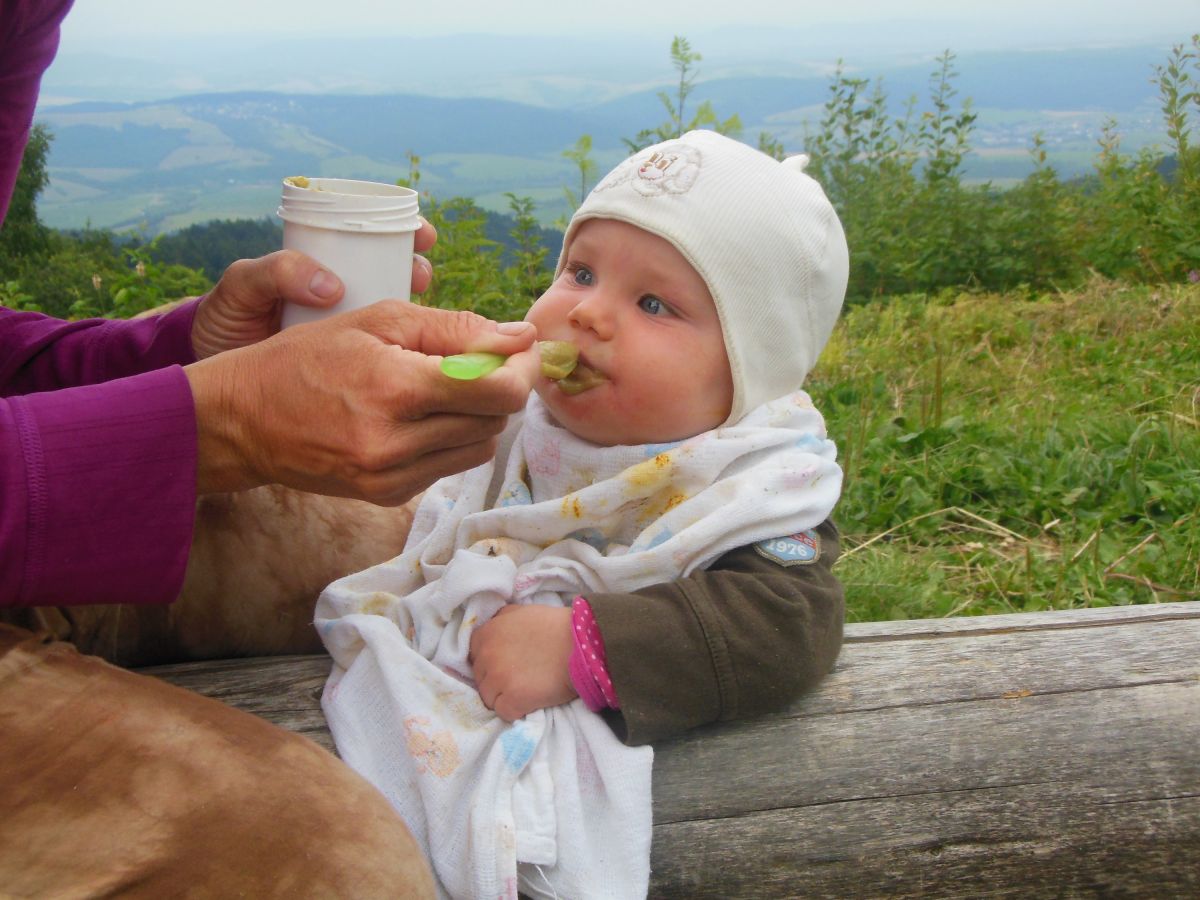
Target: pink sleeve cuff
point(588, 665)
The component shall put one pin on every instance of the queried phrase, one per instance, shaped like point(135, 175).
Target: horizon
point(1073, 21)
point(136, 50)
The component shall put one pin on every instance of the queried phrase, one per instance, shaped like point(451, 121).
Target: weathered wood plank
point(1018, 755)
point(933, 845)
point(1131, 744)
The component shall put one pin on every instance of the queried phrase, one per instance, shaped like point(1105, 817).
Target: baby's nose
point(594, 314)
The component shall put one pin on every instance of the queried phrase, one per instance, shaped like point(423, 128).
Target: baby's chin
point(566, 412)
point(596, 424)
point(602, 433)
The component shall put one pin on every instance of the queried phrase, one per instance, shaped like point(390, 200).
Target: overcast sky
point(102, 21)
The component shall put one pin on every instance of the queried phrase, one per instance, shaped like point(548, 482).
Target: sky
point(94, 22)
point(552, 52)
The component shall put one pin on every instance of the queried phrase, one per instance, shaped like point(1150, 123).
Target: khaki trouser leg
point(117, 784)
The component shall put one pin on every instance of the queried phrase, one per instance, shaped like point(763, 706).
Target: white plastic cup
point(362, 231)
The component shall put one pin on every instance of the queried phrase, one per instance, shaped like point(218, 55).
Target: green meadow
point(1010, 453)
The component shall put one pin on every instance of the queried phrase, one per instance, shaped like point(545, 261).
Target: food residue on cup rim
point(298, 181)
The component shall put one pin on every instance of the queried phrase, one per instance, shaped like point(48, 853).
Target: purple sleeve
point(99, 490)
point(29, 31)
point(97, 481)
point(38, 353)
point(97, 459)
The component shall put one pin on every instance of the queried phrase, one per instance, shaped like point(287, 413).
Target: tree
point(211, 246)
point(22, 235)
point(466, 264)
point(528, 277)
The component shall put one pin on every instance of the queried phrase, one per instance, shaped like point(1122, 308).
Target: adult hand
point(520, 659)
point(355, 405)
point(246, 305)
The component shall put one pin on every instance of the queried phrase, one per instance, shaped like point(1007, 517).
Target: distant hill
point(163, 165)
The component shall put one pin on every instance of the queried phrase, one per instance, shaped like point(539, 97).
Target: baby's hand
point(520, 660)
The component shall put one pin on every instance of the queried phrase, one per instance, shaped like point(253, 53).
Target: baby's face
point(644, 319)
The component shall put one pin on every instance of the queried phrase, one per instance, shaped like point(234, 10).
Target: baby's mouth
point(582, 378)
point(562, 364)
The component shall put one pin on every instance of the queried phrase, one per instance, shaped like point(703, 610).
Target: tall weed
point(914, 226)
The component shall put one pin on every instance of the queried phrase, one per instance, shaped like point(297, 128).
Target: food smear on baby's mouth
point(560, 363)
point(582, 378)
point(559, 358)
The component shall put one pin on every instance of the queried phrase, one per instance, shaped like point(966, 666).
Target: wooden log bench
point(1043, 755)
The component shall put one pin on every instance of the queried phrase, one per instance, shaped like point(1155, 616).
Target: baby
point(641, 557)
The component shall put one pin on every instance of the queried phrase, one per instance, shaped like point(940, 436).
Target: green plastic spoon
point(469, 366)
point(558, 361)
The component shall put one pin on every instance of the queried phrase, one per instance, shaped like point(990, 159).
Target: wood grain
point(1044, 754)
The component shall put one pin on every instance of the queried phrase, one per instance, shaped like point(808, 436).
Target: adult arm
point(99, 488)
point(357, 406)
point(99, 482)
point(97, 458)
point(40, 353)
point(744, 637)
point(75, 464)
point(29, 31)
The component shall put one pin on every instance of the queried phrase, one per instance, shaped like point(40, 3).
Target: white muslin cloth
point(553, 804)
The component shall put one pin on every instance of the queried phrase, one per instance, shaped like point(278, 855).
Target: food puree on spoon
point(560, 362)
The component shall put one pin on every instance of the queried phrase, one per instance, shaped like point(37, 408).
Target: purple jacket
point(97, 424)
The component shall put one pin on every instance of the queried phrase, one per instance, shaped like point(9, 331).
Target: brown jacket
point(744, 637)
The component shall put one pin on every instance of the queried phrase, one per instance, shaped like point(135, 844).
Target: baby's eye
point(652, 305)
point(583, 275)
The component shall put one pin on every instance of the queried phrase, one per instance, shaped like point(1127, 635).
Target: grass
point(1017, 453)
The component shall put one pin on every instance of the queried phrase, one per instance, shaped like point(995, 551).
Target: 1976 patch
point(800, 549)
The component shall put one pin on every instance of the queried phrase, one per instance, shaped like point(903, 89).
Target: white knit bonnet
point(761, 234)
